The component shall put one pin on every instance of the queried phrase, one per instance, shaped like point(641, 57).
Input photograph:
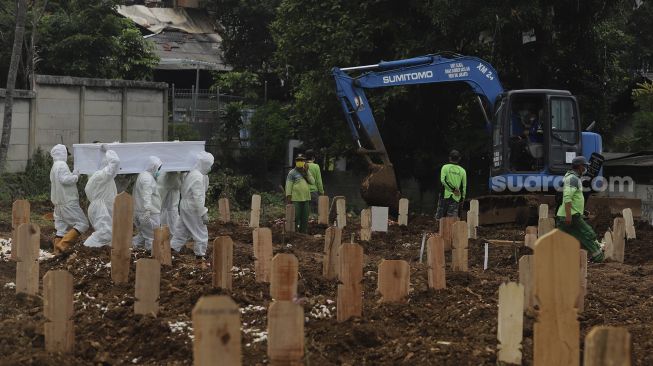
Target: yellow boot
point(55, 245)
point(68, 240)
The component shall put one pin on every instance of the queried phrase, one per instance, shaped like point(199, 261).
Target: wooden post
point(223, 261)
point(350, 289)
point(255, 215)
point(262, 253)
point(121, 239)
point(618, 239)
point(285, 333)
point(58, 311)
point(459, 260)
point(148, 285)
point(161, 245)
point(531, 230)
point(366, 224)
point(582, 291)
point(609, 247)
point(629, 222)
point(544, 226)
point(323, 210)
point(27, 258)
point(544, 211)
point(446, 231)
point(283, 278)
point(393, 280)
point(224, 211)
point(290, 218)
point(20, 211)
point(216, 326)
point(403, 212)
point(607, 346)
point(530, 237)
point(526, 280)
point(341, 211)
point(556, 273)
point(510, 325)
point(436, 262)
point(332, 242)
point(472, 218)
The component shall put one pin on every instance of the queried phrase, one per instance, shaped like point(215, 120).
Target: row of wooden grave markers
point(20, 211)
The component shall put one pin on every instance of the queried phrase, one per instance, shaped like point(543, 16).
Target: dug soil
point(454, 326)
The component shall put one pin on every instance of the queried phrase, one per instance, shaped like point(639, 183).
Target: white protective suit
point(193, 215)
point(64, 196)
point(101, 192)
point(147, 204)
point(169, 189)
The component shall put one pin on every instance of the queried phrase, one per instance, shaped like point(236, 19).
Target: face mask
point(299, 164)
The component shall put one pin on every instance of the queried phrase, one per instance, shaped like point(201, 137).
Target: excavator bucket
point(380, 188)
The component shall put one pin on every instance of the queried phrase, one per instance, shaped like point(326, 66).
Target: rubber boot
point(68, 240)
point(55, 244)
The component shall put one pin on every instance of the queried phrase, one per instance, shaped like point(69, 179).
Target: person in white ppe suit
point(69, 219)
point(169, 184)
point(101, 192)
point(193, 215)
point(147, 204)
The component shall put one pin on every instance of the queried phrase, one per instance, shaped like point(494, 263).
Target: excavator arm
point(380, 186)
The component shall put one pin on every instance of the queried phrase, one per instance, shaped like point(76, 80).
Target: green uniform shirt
point(453, 176)
point(573, 192)
point(317, 175)
point(297, 186)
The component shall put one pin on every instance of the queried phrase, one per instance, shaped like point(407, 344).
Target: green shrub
point(32, 184)
point(237, 188)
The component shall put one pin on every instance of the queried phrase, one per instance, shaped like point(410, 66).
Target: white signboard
point(379, 219)
point(569, 156)
point(177, 156)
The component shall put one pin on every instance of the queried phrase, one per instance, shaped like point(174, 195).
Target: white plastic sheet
point(177, 156)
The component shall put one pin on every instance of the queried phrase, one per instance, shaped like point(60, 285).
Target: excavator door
point(565, 133)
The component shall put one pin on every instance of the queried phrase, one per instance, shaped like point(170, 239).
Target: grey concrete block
point(57, 92)
point(16, 166)
point(102, 135)
point(103, 123)
point(54, 121)
point(58, 106)
point(144, 123)
point(103, 94)
point(145, 95)
point(148, 109)
point(143, 136)
point(102, 108)
point(50, 137)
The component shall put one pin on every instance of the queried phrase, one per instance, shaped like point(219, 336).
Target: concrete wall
point(72, 110)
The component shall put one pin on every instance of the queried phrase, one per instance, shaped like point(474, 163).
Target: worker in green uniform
point(298, 192)
point(317, 189)
point(570, 214)
point(454, 183)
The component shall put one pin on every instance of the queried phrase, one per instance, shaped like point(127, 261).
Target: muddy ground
point(456, 326)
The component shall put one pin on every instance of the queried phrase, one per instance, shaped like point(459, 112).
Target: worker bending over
point(298, 192)
point(454, 182)
point(147, 204)
point(101, 192)
point(69, 219)
point(193, 215)
point(570, 214)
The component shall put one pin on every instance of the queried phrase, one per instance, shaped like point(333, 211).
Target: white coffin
point(177, 156)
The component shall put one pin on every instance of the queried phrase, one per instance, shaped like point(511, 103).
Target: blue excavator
point(535, 133)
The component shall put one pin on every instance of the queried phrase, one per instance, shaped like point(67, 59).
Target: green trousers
point(301, 216)
point(581, 230)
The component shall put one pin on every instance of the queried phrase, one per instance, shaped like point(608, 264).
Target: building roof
point(155, 20)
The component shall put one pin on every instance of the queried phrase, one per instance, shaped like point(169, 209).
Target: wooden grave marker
point(545, 225)
point(283, 278)
point(27, 258)
point(543, 212)
point(609, 247)
point(403, 212)
point(556, 273)
point(161, 245)
point(436, 262)
point(530, 237)
point(446, 231)
point(459, 254)
point(582, 291)
point(285, 333)
point(255, 214)
point(630, 223)
point(341, 211)
point(20, 211)
point(607, 346)
point(350, 289)
point(224, 211)
point(58, 310)
point(121, 237)
point(216, 327)
point(366, 225)
point(393, 280)
point(290, 218)
point(510, 325)
point(526, 280)
point(472, 219)
point(148, 286)
point(223, 262)
point(332, 243)
point(262, 253)
point(323, 210)
point(618, 239)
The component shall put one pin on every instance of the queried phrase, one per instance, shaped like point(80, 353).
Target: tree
point(21, 14)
